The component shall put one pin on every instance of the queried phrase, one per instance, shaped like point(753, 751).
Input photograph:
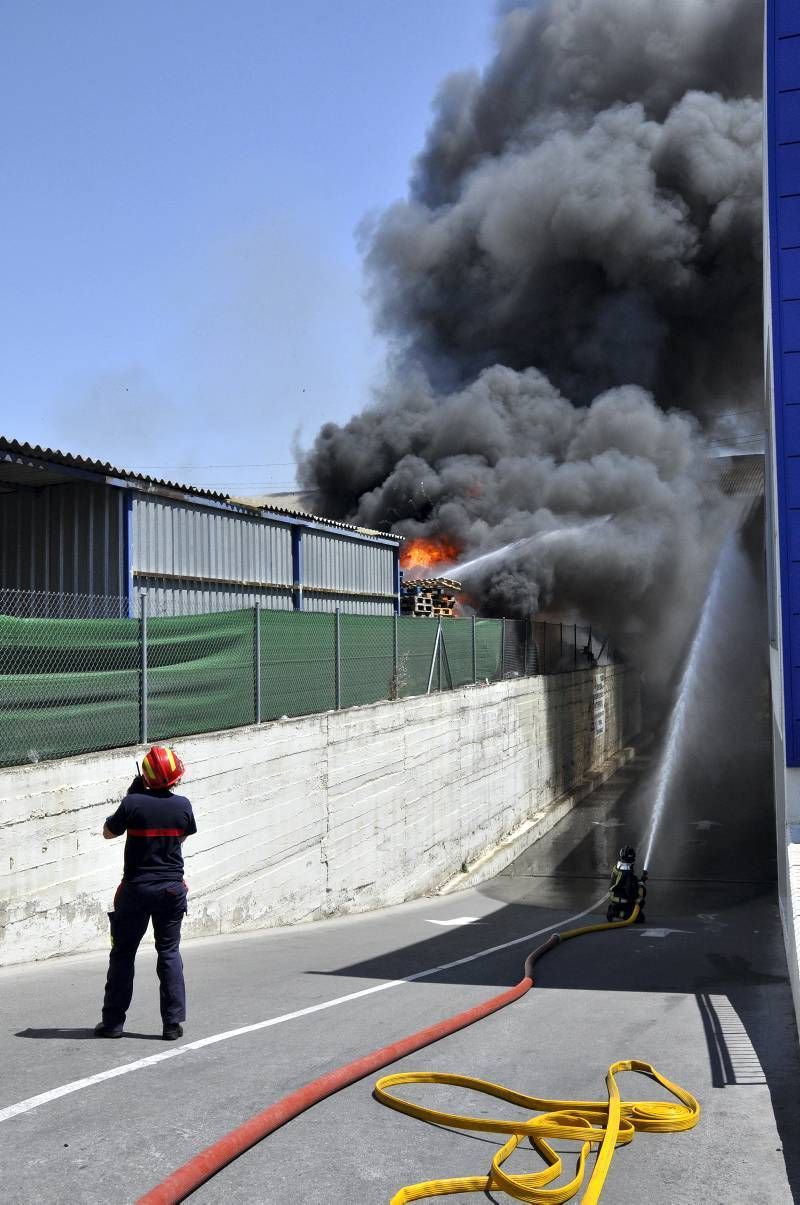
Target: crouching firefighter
point(156, 822)
point(627, 889)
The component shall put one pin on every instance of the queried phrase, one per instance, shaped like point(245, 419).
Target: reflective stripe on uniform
point(155, 832)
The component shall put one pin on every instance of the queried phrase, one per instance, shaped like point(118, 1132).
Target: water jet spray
point(686, 692)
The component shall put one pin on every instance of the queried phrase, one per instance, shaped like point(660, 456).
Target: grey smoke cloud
point(579, 257)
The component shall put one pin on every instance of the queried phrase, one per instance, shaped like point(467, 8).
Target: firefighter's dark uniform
point(152, 887)
point(627, 890)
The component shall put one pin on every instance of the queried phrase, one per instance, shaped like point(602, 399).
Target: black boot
point(107, 1031)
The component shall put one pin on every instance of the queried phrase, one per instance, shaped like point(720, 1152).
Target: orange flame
point(425, 553)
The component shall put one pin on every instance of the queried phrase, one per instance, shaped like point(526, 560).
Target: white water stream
point(464, 568)
point(690, 680)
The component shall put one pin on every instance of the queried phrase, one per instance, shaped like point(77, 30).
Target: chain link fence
point(45, 604)
point(75, 678)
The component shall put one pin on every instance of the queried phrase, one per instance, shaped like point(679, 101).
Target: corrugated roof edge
point(56, 457)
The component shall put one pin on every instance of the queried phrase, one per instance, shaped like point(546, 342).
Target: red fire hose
point(202, 1167)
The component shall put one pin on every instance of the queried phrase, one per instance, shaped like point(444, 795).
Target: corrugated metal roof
point(13, 452)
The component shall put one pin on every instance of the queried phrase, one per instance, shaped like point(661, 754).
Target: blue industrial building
point(74, 528)
point(782, 386)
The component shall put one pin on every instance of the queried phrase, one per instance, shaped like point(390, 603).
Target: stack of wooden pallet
point(430, 596)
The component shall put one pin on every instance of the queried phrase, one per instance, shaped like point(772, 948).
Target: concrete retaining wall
point(306, 818)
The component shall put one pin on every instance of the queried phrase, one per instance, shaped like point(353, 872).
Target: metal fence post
point(560, 644)
point(544, 647)
point(575, 645)
point(257, 659)
point(338, 660)
point(395, 691)
point(434, 656)
point(474, 654)
point(143, 668)
point(440, 639)
point(525, 625)
point(502, 648)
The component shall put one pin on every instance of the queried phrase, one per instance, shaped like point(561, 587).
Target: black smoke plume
point(571, 296)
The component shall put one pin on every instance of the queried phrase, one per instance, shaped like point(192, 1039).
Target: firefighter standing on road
point(156, 822)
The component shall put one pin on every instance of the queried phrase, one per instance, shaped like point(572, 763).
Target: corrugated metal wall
point(188, 558)
point(168, 597)
point(63, 538)
point(347, 568)
point(352, 606)
point(191, 559)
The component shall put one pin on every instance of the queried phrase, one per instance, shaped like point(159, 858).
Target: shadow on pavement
point(81, 1034)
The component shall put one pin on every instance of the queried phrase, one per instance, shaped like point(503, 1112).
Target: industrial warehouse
point(70, 526)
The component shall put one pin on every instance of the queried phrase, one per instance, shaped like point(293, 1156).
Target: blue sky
point(181, 286)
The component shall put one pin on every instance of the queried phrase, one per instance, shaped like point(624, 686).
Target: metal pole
point(502, 648)
point(575, 645)
point(544, 647)
point(257, 659)
point(143, 668)
point(395, 659)
point(589, 645)
point(433, 657)
point(474, 654)
point(525, 623)
point(560, 643)
point(338, 661)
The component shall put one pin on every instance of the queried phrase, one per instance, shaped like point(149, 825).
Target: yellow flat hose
point(605, 1124)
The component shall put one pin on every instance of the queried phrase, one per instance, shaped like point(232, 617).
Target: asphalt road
point(701, 991)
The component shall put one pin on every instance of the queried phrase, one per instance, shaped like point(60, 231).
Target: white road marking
point(43, 1098)
point(659, 932)
point(454, 920)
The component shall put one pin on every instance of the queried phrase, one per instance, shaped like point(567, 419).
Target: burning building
point(579, 222)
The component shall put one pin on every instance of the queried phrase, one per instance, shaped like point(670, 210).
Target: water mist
point(690, 681)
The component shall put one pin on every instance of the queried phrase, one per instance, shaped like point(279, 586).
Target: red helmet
point(161, 767)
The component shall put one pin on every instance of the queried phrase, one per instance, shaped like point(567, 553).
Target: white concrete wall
point(305, 818)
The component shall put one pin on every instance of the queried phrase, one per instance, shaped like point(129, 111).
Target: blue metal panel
point(788, 373)
point(789, 219)
point(790, 274)
point(783, 218)
point(789, 117)
point(297, 568)
point(787, 51)
point(791, 429)
point(787, 164)
point(127, 554)
point(790, 323)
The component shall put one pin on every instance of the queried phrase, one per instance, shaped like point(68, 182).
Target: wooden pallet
point(434, 583)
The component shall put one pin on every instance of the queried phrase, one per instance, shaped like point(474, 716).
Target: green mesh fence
point(73, 686)
point(200, 673)
point(67, 686)
point(415, 641)
point(298, 663)
point(366, 659)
